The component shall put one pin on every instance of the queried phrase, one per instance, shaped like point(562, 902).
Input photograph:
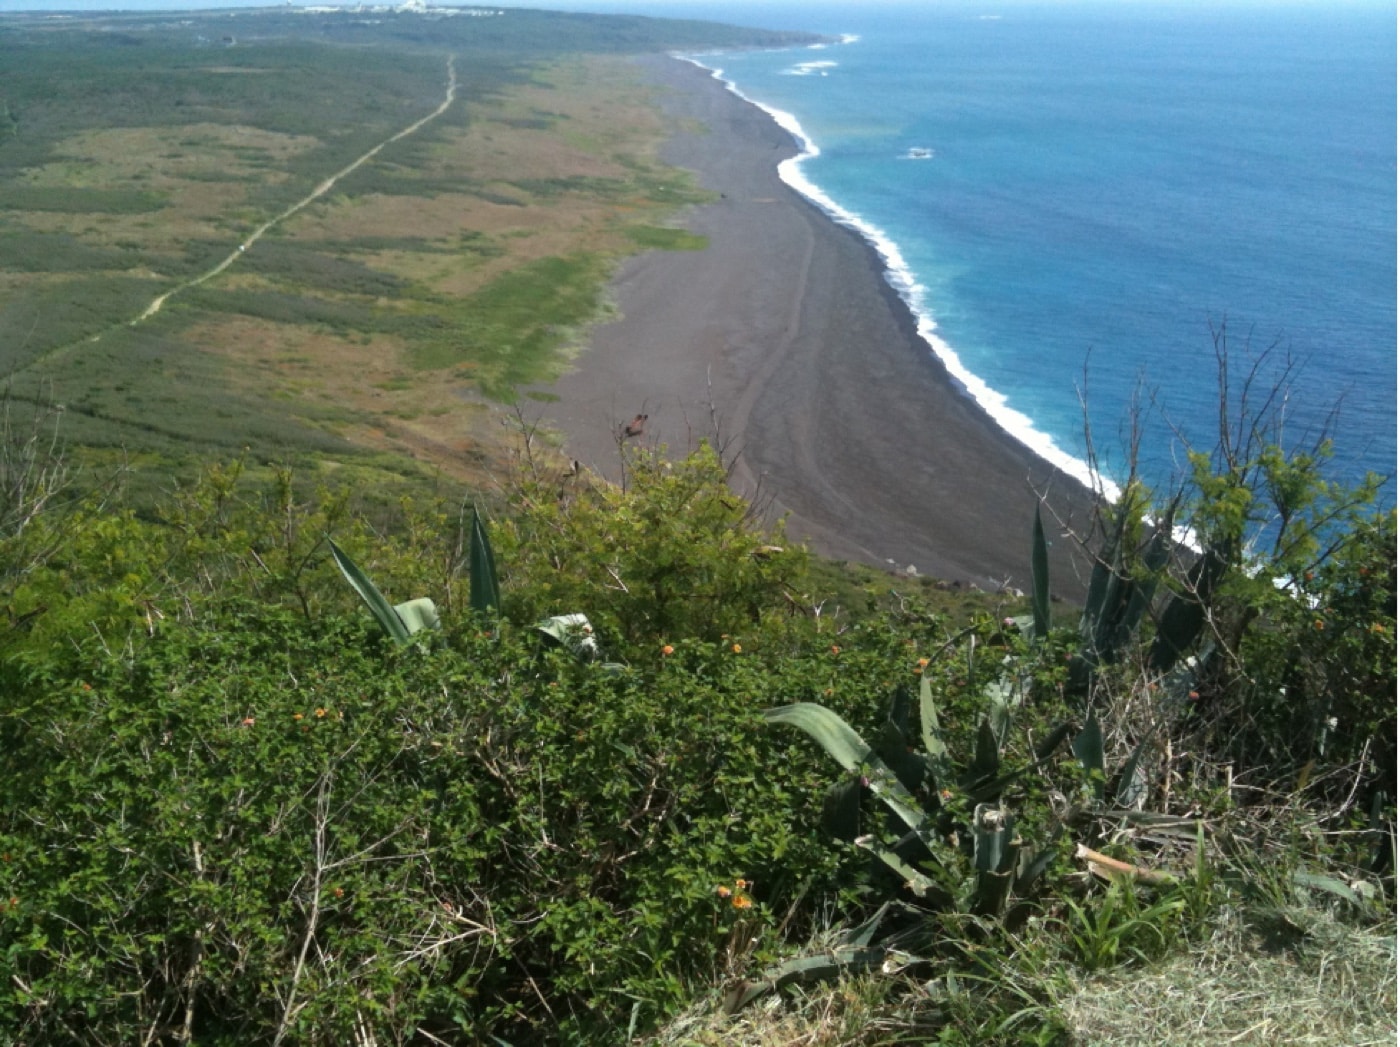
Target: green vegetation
point(240, 813)
point(510, 332)
point(660, 238)
point(547, 787)
point(141, 151)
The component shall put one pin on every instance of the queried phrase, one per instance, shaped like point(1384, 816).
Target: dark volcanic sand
point(784, 335)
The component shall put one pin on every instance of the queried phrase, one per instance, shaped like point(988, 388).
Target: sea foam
point(901, 278)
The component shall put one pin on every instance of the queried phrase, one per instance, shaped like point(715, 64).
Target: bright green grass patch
point(662, 238)
point(512, 331)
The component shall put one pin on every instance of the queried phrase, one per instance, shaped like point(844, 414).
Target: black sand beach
point(784, 336)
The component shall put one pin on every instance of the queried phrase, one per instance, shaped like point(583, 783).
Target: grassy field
point(394, 312)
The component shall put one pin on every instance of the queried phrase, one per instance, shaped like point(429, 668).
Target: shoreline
point(896, 272)
point(784, 344)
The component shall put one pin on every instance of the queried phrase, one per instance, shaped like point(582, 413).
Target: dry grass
point(1332, 984)
point(1299, 977)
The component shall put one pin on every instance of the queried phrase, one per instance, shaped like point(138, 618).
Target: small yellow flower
point(320, 713)
point(835, 649)
point(248, 721)
point(723, 891)
point(741, 884)
point(1318, 623)
point(296, 716)
point(737, 649)
point(667, 651)
point(339, 892)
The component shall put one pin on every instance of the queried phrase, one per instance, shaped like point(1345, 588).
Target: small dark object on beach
point(635, 426)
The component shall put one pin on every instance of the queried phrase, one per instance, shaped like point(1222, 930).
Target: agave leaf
point(1330, 884)
point(999, 718)
point(916, 882)
point(1133, 786)
point(418, 614)
point(1053, 741)
point(899, 709)
point(572, 631)
point(1040, 578)
point(485, 589)
point(1088, 750)
point(850, 751)
point(806, 969)
point(383, 613)
point(992, 836)
point(892, 746)
point(928, 718)
point(841, 810)
point(1030, 868)
point(987, 759)
point(1185, 616)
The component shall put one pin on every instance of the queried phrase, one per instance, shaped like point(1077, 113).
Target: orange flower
point(742, 901)
point(737, 649)
point(320, 713)
point(723, 891)
point(923, 663)
point(296, 716)
point(668, 650)
point(339, 892)
point(1318, 623)
point(835, 649)
point(741, 884)
point(248, 721)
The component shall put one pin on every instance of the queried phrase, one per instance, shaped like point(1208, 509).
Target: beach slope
point(782, 343)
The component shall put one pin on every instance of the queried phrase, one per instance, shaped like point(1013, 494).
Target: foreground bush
point(253, 828)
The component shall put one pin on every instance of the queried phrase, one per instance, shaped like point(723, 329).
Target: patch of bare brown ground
point(783, 338)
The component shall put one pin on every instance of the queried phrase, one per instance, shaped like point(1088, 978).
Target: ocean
point(1082, 200)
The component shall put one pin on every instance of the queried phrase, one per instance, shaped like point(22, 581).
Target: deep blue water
point(1077, 194)
point(1077, 199)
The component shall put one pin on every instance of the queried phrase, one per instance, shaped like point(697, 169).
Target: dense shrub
point(253, 825)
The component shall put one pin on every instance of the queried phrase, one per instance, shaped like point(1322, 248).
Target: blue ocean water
point(1078, 199)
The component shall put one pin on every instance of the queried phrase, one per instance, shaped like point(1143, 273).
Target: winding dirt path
point(320, 191)
point(324, 187)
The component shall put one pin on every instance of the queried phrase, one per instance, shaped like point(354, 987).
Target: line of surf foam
point(902, 279)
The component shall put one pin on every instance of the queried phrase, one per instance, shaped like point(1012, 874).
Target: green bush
point(254, 821)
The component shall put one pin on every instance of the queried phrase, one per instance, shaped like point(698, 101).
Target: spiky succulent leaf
point(485, 589)
point(992, 836)
point(841, 810)
point(928, 720)
point(834, 963)
point(848, 749)
point(418, 614)
point(1133, 785)
point(915, 882)
point(384, 614)
point(572, 631)
point(1088, 750)
point(1040, 578)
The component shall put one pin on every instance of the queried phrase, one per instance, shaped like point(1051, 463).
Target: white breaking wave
point(809, 69)
point(901, 277)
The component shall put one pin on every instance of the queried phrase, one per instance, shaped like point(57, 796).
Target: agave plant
point(949, 838)
point(400, 621)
